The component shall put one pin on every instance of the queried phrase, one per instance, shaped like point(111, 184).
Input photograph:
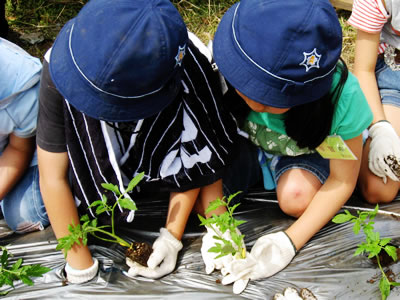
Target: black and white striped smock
point(187, 145)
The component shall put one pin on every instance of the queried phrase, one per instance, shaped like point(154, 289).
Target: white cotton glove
point(163, 259)
point(81, 276)
point(384, 151)
point(212, 263)
point(270, 254)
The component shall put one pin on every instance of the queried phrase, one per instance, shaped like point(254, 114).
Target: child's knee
point(375, 192)
point(294, 199)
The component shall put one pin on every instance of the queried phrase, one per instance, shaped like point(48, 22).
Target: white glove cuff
point(80, 276)
point(378, 125)
point(167, 236)
point(288, 249)
point(291, 242)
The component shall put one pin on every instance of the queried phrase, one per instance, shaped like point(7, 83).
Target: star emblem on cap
point(311, 60)
point(180, 55)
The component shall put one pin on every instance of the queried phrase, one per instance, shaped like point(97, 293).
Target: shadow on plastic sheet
point(326, 265)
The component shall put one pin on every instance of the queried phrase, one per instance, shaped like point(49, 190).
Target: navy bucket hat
point(120, 60)
point(279, 53)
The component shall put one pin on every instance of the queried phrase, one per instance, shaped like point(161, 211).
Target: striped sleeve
point(368, 15)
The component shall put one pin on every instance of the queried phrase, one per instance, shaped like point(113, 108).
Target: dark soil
point(385, 259)
point(139, 252)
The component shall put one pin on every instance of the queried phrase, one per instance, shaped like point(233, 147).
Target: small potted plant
point(136, 251)
point(223, 223)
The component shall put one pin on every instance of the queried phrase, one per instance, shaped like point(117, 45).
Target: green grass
point(201, 16)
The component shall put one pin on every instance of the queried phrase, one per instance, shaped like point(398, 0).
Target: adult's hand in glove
point(81, 276)
point(270, 254)
point(384, 151)
point(212, 263)
point(163, 259)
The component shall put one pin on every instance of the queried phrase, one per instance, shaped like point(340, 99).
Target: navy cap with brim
point(254, 83)
point(94, 103)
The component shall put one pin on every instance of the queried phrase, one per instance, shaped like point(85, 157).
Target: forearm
point(325, 204)
point(180, 207)
point(13, 163)
point(337, 189)
point(60, 204)
point(370, 89)
point(208, 194)
point(366, 50)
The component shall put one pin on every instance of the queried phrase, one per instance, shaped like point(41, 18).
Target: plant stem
point(116, 238)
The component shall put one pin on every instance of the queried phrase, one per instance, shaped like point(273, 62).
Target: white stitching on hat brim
point(264, 70)
point(96, 87)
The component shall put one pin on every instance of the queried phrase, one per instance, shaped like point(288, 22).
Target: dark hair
point(309, 124)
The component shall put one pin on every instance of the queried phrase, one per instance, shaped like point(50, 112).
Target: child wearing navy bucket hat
point(307, 117)
point(124, 91)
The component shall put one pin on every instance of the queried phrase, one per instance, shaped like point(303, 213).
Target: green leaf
point(26, 280)
point(373, 214)
point(127, 204)
point(230, 197)
point(391, 251)
point(342, 218)
point(111, 187)
point(17, 264)
point(96, 203)
point(134, 182)
point(236, 223)
point(356, 227)
point(215, 204)
point(38, 270)
point(100, 210)
point(4, 257)
point(84, 218)
point(384, 287)
point(384, 241)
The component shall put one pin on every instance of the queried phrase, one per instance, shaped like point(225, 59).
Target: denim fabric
point(23, 207)
point(388, 83)
point(312, 163)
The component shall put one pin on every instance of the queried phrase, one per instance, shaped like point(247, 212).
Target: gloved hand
point(81, 276)
point(270, 254)
point(384, 151)
point(163, 259)
point(209, 241)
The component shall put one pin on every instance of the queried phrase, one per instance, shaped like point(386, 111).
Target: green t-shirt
point(352, 115)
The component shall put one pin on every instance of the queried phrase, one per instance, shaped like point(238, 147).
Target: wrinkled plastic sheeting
point(326, 264)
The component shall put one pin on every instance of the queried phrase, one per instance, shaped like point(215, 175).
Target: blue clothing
point(19, 91)
point(23, 207)
point(388, 83)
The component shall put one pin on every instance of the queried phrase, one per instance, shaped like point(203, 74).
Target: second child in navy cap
point(283, 59)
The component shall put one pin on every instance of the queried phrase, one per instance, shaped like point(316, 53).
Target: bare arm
point(181, 205)
point(60, 204)
point(366, 51)
point(330, 198)
point(14, 161)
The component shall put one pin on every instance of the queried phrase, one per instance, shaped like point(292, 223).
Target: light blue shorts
point(23, 207)
point(388, 83)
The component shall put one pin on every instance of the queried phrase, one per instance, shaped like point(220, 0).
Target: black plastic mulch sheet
point(326, 265)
